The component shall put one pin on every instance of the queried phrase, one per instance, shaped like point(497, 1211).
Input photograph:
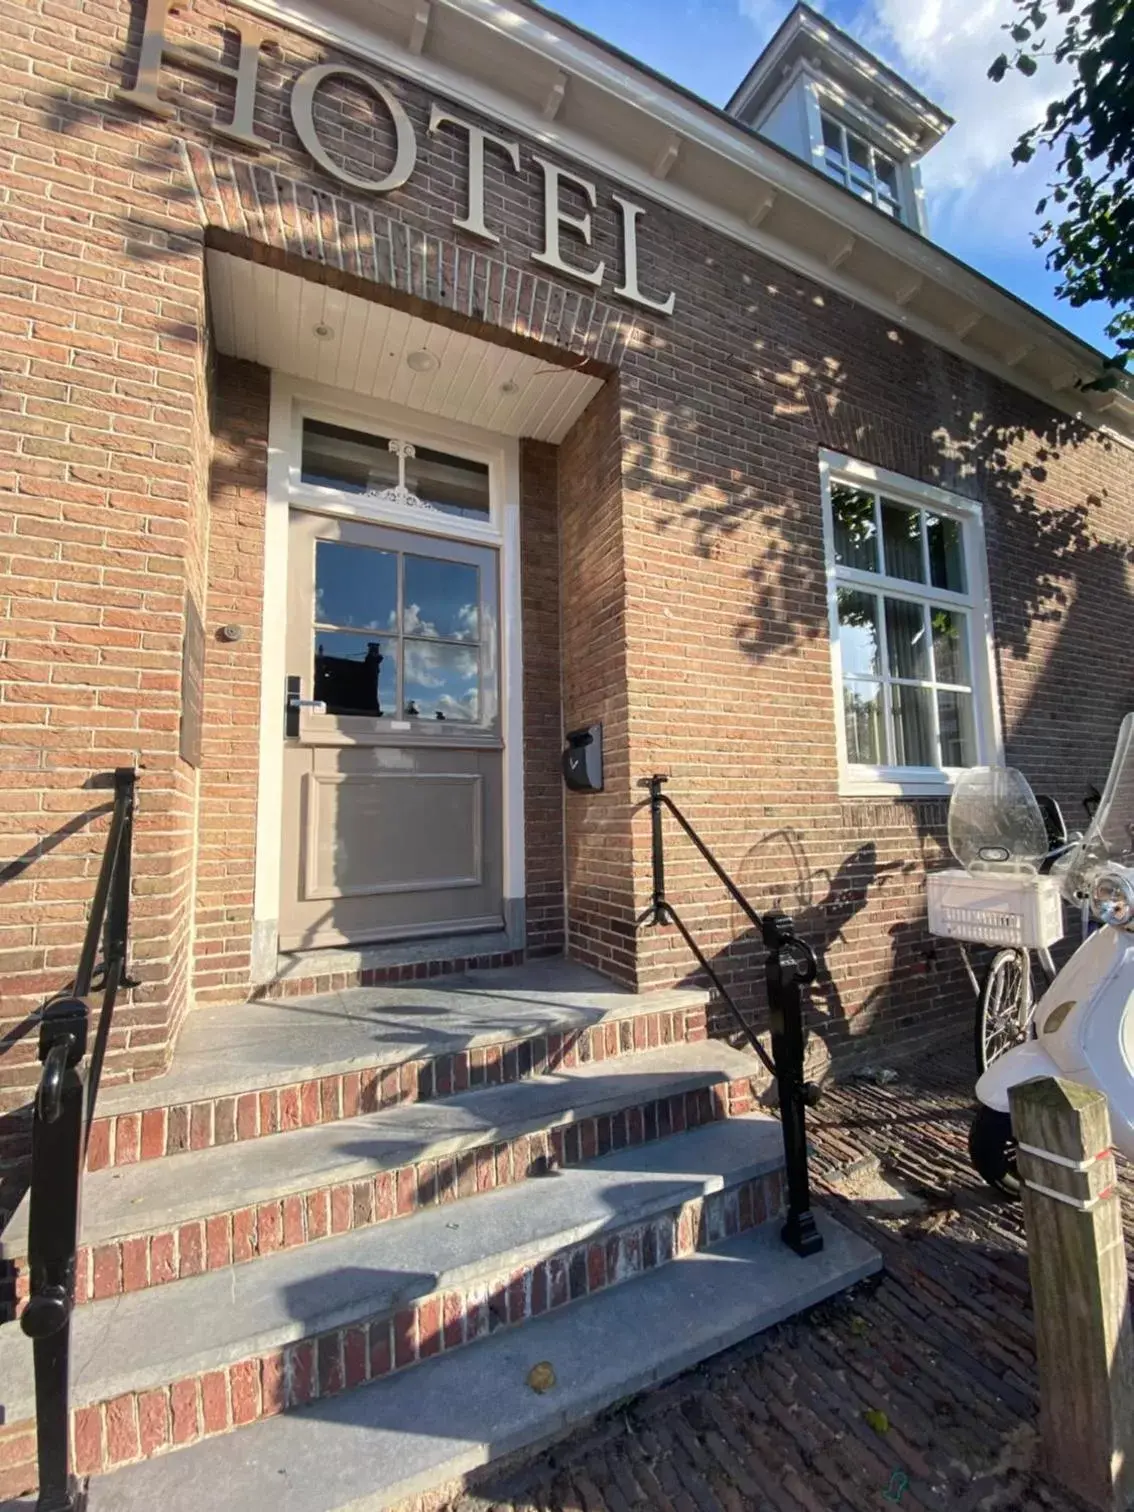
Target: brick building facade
point(656, 509)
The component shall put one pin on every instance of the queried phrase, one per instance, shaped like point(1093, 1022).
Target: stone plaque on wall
point(192, 683)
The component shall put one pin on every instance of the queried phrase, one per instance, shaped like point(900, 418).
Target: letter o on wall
point(303, 114)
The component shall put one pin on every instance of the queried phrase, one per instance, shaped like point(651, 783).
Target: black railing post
point(789, 965)
point(658, 845)
point(53, 1229)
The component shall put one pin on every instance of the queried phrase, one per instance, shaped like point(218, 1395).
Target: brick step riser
point(240, 1236)
point(173, 1129)
point(140, 1425)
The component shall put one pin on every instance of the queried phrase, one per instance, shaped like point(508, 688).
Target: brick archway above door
point(269, 210)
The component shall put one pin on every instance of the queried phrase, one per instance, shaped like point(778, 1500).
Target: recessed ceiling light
point(324, 332)
point(422, 361)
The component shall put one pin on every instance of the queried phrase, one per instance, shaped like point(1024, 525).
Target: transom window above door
point(394, 471)
point(908, 625)
point(401, 634)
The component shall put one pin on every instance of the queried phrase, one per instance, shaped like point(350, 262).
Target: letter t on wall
point(474, 220)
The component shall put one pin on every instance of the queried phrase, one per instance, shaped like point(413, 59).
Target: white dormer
point(817, 93)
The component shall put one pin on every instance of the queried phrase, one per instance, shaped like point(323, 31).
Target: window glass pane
point(355, 586)
point(913, 726)
point(887, 175)
point(856, 543)
point(950, 646)
point(346, 459)
point(955, 721)
point(832, 136)
point(356, 674)
point(946, 553)
point(858, 633)
point(901, 540)
point(440, 682)
point(450, 484)
point(862, 714)
point(859, 156)
point(905, 640)
point(441, 599)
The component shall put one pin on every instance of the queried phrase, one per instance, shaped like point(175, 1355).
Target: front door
point(392, 815)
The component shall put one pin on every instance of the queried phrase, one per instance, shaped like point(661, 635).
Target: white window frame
point(903, 216)
point(860, 780)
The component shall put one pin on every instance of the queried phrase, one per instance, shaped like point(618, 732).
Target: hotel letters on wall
point(156, 51)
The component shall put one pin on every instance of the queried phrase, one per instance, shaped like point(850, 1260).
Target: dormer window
point(866, 171)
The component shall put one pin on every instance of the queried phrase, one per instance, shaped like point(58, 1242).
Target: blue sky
point(981, 207)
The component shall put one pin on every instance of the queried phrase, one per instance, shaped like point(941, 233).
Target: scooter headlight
point(1112, 898)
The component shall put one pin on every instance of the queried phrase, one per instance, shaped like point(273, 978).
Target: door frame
point(292, 399)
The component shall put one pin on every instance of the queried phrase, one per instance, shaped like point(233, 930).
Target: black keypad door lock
point(582, 760)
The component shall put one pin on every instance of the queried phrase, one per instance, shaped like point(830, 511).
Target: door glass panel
point(453, 485)
point(356, 587)
point(901, 541)
point(950, 646)
point(356, 674)
point(858, 633)
point(350, 460)
point(862, 714)
point(441, 599)
point(905, 640)
point(856, 539)
point(441, 682)
point(946, 553)
point(913, 726)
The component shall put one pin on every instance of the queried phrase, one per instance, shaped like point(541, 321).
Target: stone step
point(153, 1223)
point(246, 1070)
point(228, 1347)
point(429, 1427)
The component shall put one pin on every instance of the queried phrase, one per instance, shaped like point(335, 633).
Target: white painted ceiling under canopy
point(310, 331)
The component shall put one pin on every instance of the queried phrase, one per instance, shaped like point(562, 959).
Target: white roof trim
point(566, 54)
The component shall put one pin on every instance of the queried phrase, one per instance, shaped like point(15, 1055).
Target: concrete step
point(153, 1223)
point(428, 1427)
point(438, 1280)
point(245, 1070)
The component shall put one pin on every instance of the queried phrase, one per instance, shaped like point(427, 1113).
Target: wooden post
point(1080, 1289)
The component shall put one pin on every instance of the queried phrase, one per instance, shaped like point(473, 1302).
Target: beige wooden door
point(393, 807)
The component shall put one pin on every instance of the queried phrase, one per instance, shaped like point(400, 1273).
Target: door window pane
point(862, 715)
point(356, 587)
point(440, 682)
point(906, 648)
point(946, 553)
point(913, 726)
point(856, 538)
point(958, 736)
point(356, 674)
point(441, 599)
point(450, 484)
point(950, 646)
point(350, 460)
point(901, 542)
point(858, 633)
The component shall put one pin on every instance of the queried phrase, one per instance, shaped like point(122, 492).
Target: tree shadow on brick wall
point(1060, 565)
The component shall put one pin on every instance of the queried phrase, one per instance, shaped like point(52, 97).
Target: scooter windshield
point(1110, 837)
point(995, 823)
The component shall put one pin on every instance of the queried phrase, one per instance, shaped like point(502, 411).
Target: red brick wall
point(692, 597)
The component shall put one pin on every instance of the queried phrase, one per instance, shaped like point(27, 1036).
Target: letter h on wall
point(156, 51)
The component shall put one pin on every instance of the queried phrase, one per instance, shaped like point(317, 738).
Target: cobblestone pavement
point(916, 1390)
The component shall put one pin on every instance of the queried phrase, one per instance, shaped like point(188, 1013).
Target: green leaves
point(999, 68)
point(1026, 64)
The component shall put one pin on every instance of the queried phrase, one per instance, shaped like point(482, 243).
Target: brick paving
point(916, 1390)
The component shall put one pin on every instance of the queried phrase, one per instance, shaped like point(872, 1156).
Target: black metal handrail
point(61, 1123)
point(789, 965)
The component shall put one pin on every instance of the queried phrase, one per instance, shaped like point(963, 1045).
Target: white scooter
point(1083, 1028)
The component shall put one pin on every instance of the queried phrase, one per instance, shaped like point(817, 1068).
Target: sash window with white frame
point(909, 627)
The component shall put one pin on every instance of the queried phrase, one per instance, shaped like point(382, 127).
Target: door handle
point(294, 702)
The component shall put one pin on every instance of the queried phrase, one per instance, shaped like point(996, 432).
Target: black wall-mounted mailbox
point(582, 760)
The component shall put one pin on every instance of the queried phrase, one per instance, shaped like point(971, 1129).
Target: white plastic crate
point(995, 908)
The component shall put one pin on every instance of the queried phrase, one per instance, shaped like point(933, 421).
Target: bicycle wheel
point(1007, 1002)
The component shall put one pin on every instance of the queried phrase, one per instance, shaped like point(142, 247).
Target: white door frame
point(291, 400)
